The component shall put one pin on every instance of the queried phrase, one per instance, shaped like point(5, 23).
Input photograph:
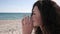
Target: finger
point(30, 19)
point(23, 21)
point(30, 22)
point(27, 19)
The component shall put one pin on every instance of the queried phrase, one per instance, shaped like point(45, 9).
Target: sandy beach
point(11, 26)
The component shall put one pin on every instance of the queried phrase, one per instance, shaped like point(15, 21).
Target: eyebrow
point(33, 11)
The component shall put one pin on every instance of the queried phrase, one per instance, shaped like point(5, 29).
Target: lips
point(33, 20)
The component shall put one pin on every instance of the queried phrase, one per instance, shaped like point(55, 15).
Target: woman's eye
point(34, 14)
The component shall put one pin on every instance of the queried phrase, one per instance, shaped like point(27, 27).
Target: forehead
point(35, 8)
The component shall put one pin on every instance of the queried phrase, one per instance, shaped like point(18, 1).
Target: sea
point(12, 16)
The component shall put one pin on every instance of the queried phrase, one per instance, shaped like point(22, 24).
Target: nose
point(32, 18)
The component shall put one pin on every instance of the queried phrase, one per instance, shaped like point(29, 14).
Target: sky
point(18, 6)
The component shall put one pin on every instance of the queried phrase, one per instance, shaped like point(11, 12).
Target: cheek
point(36, 20)
point(34, 17)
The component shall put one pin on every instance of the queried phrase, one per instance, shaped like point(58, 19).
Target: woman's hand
point(27, 25)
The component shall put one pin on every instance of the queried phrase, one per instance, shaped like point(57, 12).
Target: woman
point(43, 19)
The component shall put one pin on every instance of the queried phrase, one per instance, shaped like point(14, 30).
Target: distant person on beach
point(44, 18)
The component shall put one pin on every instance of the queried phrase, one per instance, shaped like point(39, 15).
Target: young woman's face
point(36, 16)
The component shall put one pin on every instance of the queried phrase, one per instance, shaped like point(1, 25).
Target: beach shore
point(11, 26)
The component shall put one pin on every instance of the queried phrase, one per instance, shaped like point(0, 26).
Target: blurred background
point(18, 6)
point(12, 12)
